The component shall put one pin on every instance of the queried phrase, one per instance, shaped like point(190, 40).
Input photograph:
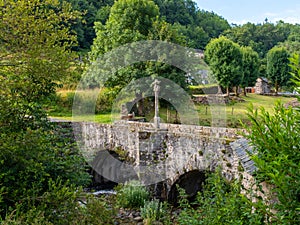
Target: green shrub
point(203, 89)
point(57, 205)
point(106, 99)
point(60, 206)
point(62, 102)
point(222, 203)
point(96, 212)
point(154, 211)
point(32, 217)
point(276, 139)
point(132, 195)
point(85, 100)
point(31, 158)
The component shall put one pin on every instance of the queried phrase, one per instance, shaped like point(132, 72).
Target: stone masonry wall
point(164, 154)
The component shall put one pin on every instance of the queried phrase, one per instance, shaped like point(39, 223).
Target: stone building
point(262, 86)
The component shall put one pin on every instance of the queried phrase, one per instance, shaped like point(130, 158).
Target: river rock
point(138, 219)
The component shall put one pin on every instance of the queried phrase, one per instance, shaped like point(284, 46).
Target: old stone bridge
point(173, 154)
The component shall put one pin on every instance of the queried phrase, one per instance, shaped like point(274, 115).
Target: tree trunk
point(227, 91)
point(236, 91)
point(244, 91)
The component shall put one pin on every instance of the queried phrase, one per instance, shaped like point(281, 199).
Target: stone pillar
point(156, 89)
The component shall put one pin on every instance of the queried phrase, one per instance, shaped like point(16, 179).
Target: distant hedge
point(202, 90)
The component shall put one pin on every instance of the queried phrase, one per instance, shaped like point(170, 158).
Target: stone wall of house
point(262, 86)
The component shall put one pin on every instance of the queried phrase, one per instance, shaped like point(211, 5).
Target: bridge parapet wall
point(172, 151)
point(169, 153)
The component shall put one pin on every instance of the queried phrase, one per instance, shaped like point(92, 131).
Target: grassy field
point(232, 113)
point(238, 111)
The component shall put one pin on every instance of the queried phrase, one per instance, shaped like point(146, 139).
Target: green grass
point(99, 118)
point(238, 112)
point(234, 112)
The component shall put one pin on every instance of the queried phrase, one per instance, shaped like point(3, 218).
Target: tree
point(261, 37)
point(35, 56)
point(292, 44)
point(250, 67)
point(92, 10)
point(225, 59)
point(195, 36)
point(278, 67)
point(35, 159)
point(130, 21)
point(295, 66)
point(213, 24)
point(198, 26)
point(178, 11)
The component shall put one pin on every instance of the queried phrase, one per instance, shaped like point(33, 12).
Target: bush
point(62, 102)
point(60, 206)
point(221, 203)
point(30, 159)
point(55, 206)
point(202, 89)
point(276, 139)
point(132, 195)
point(32, 217)
point(96, 212)
point(106, 99)
point(154, 211)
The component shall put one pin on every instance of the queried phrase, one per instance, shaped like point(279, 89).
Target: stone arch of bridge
point(192, 182)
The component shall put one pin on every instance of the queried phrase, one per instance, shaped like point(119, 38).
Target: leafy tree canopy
point(130, 21)
point(198, 26)
point(92, 10)
point(250, 66)
point(35, 55)
point(278, 67)
point(261, 37)
point(225, 59)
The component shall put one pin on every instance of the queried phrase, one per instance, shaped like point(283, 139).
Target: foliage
point(132, 195)
point(278, 67)
point(91, 10)
point(30, 158)
point(250, 67)
point(198, 26)
point(35, 57)
point(195, 36)
point(60, 206)
point(221, 203)
point(55, 206)
point(132, 21)
point(97, 211)
point(154, 211)
point(295, 66)
point(225, 60)
point(128, 21)
point(260, 37)
point(276, 140)
point(213, 24)
point(32, 216)
point(180, 11)
point(61, 103)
